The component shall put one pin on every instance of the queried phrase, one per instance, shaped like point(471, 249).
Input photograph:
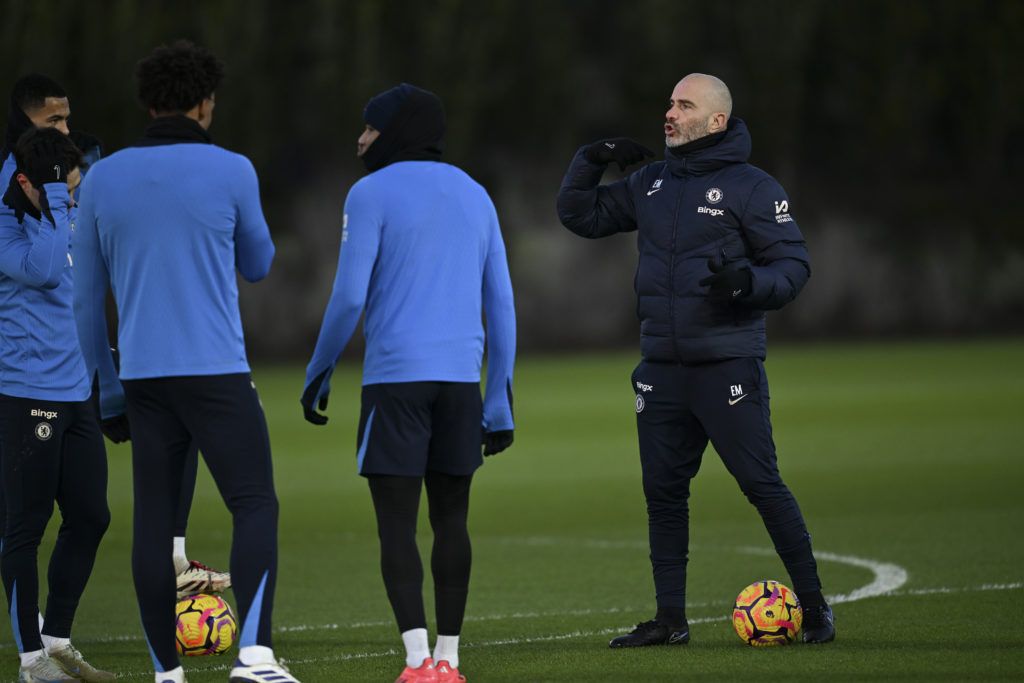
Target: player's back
point(423, 308)
point(170, 220)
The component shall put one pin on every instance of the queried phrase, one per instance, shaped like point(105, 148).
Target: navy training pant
point(679, 409)
point(221, 414)
point(50, 451)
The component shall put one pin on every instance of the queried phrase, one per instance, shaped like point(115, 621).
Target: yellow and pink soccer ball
point(767, 613)
point(205, 626)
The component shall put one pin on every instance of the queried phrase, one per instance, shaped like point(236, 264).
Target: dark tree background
point(897, 128)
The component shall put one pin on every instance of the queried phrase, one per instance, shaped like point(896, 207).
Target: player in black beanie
point(411, 126)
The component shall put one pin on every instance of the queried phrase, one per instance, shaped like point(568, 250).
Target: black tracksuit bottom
point(679, 409)
point(50, 451)
point(221, 414)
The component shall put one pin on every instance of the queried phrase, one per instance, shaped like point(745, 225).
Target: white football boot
point(43, 670)
point(175, 676)
point(274, 672)
point(71, 661)
point(199, 578)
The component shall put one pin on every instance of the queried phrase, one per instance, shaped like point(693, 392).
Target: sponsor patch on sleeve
point(782, 212)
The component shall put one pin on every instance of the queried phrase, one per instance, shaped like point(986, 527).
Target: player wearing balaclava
point(422, 252)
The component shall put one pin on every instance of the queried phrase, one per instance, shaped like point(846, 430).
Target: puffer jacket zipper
point(671, 271)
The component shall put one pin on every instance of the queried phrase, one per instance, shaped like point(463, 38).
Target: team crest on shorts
point(714, 195)
point(44, 431)
point(639, 403)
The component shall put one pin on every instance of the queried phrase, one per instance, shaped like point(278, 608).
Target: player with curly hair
point(166, 224)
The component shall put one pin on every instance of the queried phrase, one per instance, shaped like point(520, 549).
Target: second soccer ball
point(767, 613)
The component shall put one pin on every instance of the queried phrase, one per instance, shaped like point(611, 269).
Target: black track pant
point(221, 414)
point(396, 501)
point(50, 451)
point(188, 480)
point(679, 408)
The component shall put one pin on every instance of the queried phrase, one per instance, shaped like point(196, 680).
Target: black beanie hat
point(382, 108)
point(411, 123)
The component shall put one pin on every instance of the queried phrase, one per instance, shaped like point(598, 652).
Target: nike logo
point(734, 401)
point(676, 637)
point(736, 293)
point(649, 193)
point(610, 145)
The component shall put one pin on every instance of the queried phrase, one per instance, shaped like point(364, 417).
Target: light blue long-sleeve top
point(422, 252)
point(39, 351)
point(165, 227)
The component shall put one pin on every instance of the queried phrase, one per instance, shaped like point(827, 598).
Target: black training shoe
point(819, 625)
point(653, 632)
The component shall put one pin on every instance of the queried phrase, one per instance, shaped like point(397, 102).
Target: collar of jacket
point(15, 198)
point(173, 130)
point(712, 152)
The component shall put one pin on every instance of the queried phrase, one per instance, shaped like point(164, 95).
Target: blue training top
point(165, 226)
point(421, 249)
point(39, 352)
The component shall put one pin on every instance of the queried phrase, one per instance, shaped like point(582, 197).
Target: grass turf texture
point(905, 453)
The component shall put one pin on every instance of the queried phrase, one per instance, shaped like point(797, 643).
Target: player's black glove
point(623, 151)
point(116, 428)
point(48, 164)
point(729, 281)
point(496, 442)
point(309, 398)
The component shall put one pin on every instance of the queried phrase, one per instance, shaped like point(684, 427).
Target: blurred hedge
point(895, 127)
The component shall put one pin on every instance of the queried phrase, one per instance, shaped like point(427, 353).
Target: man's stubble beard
point(688, 133)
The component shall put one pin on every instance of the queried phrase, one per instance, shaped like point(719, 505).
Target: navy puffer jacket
point(705, 204)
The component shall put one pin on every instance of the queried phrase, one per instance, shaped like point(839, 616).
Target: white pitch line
point(888, 577)
point(973, 589)
point(485, 617)
point(555, 637)
point(355, 625)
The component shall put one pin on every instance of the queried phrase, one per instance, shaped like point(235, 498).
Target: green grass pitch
point(906, 458)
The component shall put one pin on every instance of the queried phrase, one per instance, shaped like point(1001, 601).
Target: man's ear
point(719, 122)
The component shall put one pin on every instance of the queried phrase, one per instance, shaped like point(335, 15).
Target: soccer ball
point(767, 613)
point(205, 626)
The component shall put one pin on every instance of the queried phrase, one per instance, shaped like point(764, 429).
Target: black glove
point(623, 151)
point(48, 166)
point(116, 428)
point(728, 282)
point(496, 442)
point(309, 396)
